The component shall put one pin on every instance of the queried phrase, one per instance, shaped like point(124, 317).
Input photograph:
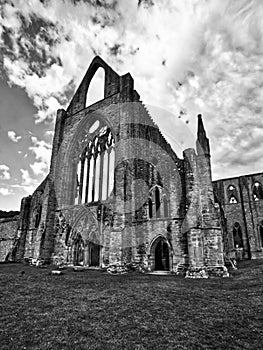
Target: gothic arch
point(95, 91)
point(158, 202)
point(86, 240)
point(232, 194)
point(95, 169)
point(111, 84)
point(160, 256)
point(70, 151)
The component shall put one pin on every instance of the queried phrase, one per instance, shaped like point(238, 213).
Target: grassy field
point(95, 310)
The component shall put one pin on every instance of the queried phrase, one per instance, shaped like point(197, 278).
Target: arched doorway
point(161, 255)
point(78, 251)
point(94, 254)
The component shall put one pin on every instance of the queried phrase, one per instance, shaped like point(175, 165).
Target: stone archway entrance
point(94, 254)
point(78, 251)
point(161, 256)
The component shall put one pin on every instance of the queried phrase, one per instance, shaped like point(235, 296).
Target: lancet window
point(257, 191)
point(237, 236)
point(232, 194)
point(157, 203)
point(95, 171)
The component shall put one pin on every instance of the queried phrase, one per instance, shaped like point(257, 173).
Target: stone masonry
point(116, 193)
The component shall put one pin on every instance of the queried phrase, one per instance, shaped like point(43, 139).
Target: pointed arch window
point(237, 236)
point(96, 87)
point(95, 170)
point(158, 203)
point(232, 194)
point(257, 191)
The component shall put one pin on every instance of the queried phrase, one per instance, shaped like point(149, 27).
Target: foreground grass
point(95, 310)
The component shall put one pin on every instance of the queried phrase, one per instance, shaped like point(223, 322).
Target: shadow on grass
point(95, 310)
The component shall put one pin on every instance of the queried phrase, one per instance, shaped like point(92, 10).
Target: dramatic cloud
point(12, 136)
point(187, 57)
point(28, 184)
point(4, 172)
point(42, 153)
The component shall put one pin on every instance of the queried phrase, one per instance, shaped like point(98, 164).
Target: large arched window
point(96, 87)
point(237, 236)
point(257, 191)
point(157, 203)
point(95, 171)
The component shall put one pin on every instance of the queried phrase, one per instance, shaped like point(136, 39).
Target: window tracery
point(232, 194)
point(95, 170)
point(232, 200)
point(157, 203)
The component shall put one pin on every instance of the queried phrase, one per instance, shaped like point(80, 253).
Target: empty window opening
point(237, 236)
point(158, 205)
point(232, 200)
point(95, 170)
point(94, 126)
point(257, 191)
point(96, 87)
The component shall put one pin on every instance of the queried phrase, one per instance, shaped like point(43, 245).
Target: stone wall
point(127, 226)
point(244, 210)
point(8, 235)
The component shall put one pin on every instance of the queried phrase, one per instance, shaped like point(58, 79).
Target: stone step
point(157, 272)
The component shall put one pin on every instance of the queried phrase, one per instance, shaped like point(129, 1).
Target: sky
point(186, 57)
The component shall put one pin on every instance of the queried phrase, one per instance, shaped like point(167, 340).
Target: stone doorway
point(161, 256)
point(94, 254)
point(78, 251)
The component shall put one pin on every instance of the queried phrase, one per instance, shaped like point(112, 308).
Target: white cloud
point(5, 191)
point(42, 153)
point(4, 172)
point(41, 150)
point(39, 168)
point(26, 179)
point(196, 56)
point(13, 137)
point(28, 183)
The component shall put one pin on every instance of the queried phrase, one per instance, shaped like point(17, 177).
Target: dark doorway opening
point(78, 252)
point(94, 254)
point(162, 256)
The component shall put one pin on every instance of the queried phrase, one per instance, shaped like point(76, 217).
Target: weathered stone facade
point(240, 201)
point(117, 193)
point(8, 236)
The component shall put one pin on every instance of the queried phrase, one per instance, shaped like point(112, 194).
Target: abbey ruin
point(117, 193)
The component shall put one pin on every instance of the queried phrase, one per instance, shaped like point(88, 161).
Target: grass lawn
point(95, 310)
